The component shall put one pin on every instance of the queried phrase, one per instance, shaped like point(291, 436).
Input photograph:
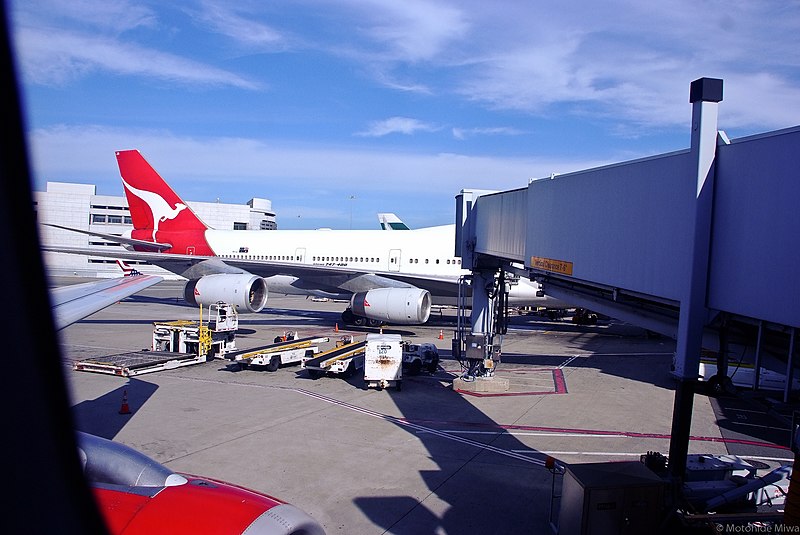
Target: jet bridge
point(700, 245)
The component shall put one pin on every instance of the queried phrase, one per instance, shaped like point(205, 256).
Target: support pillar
point(705, 95)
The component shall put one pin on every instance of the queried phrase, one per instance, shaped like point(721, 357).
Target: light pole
point(352, 198)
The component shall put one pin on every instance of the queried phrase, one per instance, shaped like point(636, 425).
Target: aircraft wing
point(317, 276)
point(74, 302)
point(117, 239)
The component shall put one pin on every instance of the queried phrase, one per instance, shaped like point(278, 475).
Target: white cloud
point(412, 30)
point(464, 133)
point(67, 153)
point(396, 125)
point(243, 28)
point(107, 17)
point(58, 57)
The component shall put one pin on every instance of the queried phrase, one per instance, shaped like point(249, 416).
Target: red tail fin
point(158, 214)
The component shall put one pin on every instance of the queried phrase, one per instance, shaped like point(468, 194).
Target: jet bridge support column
point(705, 95)
point(477, 347)
point(481, 346)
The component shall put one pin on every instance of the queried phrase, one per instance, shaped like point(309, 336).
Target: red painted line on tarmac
point(624, 434)
point(559, 384)
point(503, 394)
point(560, 381)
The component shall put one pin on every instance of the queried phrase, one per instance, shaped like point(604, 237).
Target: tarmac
point(427, 459)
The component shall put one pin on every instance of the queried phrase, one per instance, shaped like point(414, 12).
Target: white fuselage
point(421, 253)
point(427, 251)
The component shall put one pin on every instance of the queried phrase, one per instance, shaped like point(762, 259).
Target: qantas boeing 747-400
point(387, 277)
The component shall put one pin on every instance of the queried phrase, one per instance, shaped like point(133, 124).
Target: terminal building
point(78, 206)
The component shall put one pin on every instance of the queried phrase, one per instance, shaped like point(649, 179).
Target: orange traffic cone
point(441, 334)
point(124, 409)
point(336, 328)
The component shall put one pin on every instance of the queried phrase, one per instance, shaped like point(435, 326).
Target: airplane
point(386, 279)
point(390, 221)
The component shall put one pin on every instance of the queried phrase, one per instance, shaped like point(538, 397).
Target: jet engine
point(405, 306)
point(244, 290)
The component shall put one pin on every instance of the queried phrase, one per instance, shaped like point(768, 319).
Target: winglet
point(127, 270)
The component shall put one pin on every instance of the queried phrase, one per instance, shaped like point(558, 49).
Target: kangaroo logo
point(159, 208)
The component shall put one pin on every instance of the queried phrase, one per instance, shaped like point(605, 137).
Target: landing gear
point(348, 318)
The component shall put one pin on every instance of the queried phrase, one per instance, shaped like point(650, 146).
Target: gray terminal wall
point(627, 225)
point(755, 249)
point(623, 225)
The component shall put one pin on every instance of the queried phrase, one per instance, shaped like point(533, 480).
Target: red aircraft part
point(200, 506)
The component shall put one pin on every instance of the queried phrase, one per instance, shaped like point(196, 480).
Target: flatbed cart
point(138, 362)
point(344, 359)
point(288, 349)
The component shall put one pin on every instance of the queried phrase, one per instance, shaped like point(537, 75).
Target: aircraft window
point(292, 257)
point(426, 260)
point(459, 261)
point(437, 260)
point(362, 259)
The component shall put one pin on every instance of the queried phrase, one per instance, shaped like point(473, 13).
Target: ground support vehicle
point(214, 339)
point(418, 357)
point(287, 349)
point(344, 359)
point(383, 361)
point(174, 344)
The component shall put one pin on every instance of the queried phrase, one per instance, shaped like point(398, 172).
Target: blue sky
point(337, 110)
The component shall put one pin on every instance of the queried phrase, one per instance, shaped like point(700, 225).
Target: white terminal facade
point(78, 206)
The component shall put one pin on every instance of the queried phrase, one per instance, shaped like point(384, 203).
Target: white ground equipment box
point(212, 339)
point(383, 361)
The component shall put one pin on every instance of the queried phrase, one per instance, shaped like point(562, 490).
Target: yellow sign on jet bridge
point(549, 264)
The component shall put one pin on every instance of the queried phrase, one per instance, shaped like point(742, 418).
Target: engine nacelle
point(243, 290)
point(405, 306)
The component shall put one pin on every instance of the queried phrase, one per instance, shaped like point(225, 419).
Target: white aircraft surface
point(387, 278)
point(76, 301)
